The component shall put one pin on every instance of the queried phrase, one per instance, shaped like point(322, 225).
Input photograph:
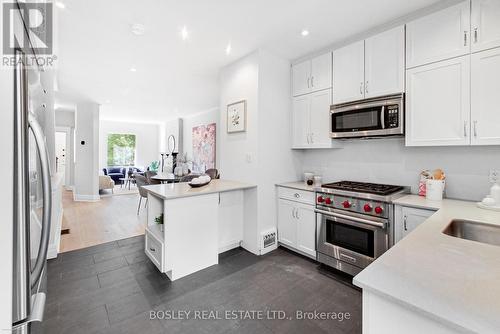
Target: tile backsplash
point(389, 161)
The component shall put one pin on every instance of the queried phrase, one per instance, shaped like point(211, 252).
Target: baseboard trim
point(86, 198)
point(229, 246)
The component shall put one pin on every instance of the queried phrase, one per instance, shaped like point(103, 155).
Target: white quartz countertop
point(299, 185)
point(182, 189)
point(446, 278)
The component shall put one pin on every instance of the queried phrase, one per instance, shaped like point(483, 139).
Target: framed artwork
point(237, 117)
point(204, 137)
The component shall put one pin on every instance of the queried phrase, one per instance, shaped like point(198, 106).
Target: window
point(121, 149)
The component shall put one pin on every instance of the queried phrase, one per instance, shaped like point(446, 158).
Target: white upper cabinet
point(349, 73)
point(312, 75)
point(301, 78)
point(485, 110)
point(311, 120)
point(442, 35)
point(300, 121)
point(385, 63)
point(320, 118)
point(485, 24)
point(321, 72)
point(438, 103)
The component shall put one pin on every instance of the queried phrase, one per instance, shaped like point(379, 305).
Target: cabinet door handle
point(297, 213)
point(152, 249)
point(475, 129)
point(404, 223)
point(293, 212)
point(465, 128)
point(312, 138)
point(465, 37)
point(309, 82)
point(297, 195)
point(361, 88)
point(312, 81)
point(366, 87)
point(475, 35)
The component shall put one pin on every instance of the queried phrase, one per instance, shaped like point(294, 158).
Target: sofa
point(115, 173)
point(132, 170)
point(105, 182)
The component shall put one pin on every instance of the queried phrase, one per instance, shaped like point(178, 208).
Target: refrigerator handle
point(47, 199)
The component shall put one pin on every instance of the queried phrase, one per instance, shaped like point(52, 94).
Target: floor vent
point(268, 241)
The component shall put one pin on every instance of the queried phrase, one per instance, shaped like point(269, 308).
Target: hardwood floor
point(93, 223)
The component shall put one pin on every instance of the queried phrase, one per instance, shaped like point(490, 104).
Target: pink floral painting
point(204, 137)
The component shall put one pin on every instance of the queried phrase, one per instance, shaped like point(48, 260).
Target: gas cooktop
point(362, 187)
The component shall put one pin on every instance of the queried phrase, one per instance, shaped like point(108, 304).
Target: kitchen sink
point(475, 231)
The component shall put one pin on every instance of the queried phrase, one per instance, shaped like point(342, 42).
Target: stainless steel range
point(354, 222)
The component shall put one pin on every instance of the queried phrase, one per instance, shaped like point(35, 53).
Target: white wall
point(202, 118)
point(65, 121)
point(87, 155)
point(173, 128)
point(147, 140)
point(389, 161)
point(261, 155)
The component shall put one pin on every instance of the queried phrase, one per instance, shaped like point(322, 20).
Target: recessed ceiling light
point(138, 29)
point(184, 33)
point(133, 69)
point(228, 49)
point(304, 33)
point(60, 4)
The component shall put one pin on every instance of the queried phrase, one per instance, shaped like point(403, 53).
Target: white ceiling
point(176, 77)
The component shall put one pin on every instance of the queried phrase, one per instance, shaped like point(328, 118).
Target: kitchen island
point(432, 282)
point(198, 224)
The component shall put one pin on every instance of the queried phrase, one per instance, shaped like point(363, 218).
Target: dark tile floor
point(112, 288)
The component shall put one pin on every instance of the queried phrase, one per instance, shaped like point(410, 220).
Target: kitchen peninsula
point(188, 227)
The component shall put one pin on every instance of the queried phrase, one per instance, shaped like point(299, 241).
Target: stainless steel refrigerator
point(32, 199)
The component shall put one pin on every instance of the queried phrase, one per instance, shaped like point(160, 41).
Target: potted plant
point(159, 221)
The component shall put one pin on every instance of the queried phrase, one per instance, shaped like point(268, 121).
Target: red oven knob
point(378, 210)
point(367, 208)
point(328, 201)
point(346, 204)
point(320, 199)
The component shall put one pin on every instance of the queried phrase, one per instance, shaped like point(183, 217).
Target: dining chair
point(141, 181)
point(149, 174)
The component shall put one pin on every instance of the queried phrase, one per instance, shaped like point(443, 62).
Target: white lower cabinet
point(306, 229)
point(287, 223)
point(407, 219)
point(297, 226)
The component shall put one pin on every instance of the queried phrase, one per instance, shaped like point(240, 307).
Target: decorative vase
point(178, 171)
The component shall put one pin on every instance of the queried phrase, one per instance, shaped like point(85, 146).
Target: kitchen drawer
point(154, 250)
point(302, 196)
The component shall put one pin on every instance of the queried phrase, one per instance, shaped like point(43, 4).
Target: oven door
point(351, 239)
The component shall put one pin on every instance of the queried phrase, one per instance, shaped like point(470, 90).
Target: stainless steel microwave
point(380, 116)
